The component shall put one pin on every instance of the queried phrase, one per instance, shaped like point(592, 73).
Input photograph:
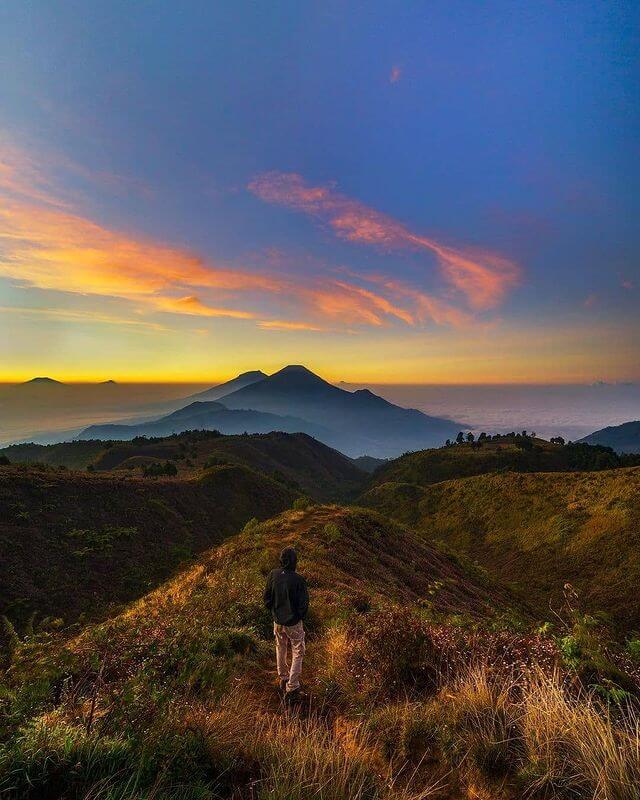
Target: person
point(287, 598)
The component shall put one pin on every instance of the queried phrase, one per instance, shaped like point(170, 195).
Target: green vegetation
point(412, 686)
point(76, 543)
point(299, 462)
point(516, 453)
point(537, 532)
point(156, 470)
point(74, 455)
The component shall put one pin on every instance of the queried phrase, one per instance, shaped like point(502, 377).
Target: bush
point(302, 503)
point(159, 470)
point(390, 652)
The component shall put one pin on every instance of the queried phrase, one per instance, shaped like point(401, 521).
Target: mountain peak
point(295, 369)
point(44, 380)
point(252, 373)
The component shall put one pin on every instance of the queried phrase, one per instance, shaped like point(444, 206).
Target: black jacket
point(286, 594)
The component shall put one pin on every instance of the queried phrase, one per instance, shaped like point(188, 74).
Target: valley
point(457, 594)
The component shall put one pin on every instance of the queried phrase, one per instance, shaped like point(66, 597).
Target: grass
point(539, 531)
point(415, 690)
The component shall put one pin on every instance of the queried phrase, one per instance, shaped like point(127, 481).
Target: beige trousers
point(293, 635)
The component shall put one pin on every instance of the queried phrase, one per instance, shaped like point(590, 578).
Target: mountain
point(207, 416)
point(514, 453)
point(76, 543)
point(623, 438)
point(302, 463)
point(369, 463)
point(239, 382)
point(536, 531)
point(358, 422)
point(42, 381)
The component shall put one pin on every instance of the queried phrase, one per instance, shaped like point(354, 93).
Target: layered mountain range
point(295, 400)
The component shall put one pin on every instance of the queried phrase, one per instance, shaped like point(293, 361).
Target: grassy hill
point(298, 460)
point(537, 531)
point(425, 467)
point(414, 692)
point(74, 543)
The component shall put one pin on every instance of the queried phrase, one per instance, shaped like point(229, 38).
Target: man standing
point(287, 598)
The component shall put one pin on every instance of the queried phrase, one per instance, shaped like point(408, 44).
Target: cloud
point(286, 325)
point(55, 249)
point(395, 74)
point(627, 284)
point(45, 243)
point(70, 315)
point(482, 276)
point(195, 307)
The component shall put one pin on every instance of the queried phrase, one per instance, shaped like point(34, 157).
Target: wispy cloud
point(287, 325)
point(54, 249)
point(88, 317)
point(627, 284)
point(484, 277)
point(45, 243)
point(395, 74)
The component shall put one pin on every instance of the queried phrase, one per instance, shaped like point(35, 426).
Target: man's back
point(286, 593)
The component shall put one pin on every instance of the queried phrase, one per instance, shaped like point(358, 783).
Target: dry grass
point(554, 741)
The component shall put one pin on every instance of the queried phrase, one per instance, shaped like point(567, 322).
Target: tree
point(482, 437)
point(460, 438)
point(557, 440)
point(470, 437)
point(447, 443)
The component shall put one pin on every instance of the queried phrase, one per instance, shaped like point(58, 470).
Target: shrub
point(633, 648)
point(390, 651)
point(331, 532)
point(302, 503)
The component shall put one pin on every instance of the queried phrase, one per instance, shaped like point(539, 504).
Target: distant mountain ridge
point(623, 438)
point(207, 416)
point(295, 400)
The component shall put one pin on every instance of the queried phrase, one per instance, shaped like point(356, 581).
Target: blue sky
point(494, 147)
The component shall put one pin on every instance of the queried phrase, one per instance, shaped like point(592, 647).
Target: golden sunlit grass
point(175, 697)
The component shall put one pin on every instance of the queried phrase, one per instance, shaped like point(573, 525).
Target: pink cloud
point(47, 244)
point(484, 277)
point(395, 74)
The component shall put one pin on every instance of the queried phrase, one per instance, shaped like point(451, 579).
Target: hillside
point(425, 467)
point(623, 438)
point(358, 422)
point(303, 463)
point(74, 543)
point(73, 455)
point(537, 532)
point(176, 698)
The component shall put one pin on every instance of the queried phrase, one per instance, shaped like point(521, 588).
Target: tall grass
point(554, 740)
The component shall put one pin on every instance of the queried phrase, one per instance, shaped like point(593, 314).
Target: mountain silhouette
point(623, 438)
point(208, 416)
point(239, 382)
point(42, 381)
point(360, 422)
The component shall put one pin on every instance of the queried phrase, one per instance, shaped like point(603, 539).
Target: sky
point(428, 192)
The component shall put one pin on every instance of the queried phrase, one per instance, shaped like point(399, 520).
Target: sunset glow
point(436, 217)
